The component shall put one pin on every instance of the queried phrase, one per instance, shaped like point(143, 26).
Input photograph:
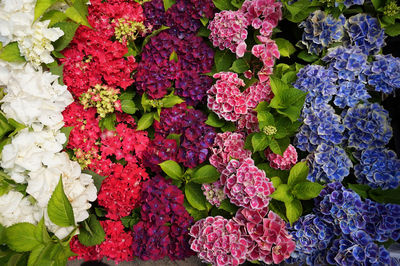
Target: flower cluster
point(383, 74)
point(368, 126)
point(214, 193)
point(164, 224)
point(104, 98)
point(284, 162)
point(246, 185)
point(378, 167)
point(321, 30)
point(349, 3)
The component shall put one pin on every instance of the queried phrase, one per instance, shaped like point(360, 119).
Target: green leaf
point(91, 233)
point(127, 95)
point(108, 122)
point(226, 205)
point(67, 132)
point(172, 169)
point(294, 110)
point(307, 190)
point(260, 141)
point(203, 32)
point(393, 30)
point(276, 181)
point(41, 233)
point(214, 121)
point(237, 3)
point(194, 195)
point(128, 106)
point(11, 53)
point(309, 58)
point(173, 56)
point(78, 12)
point(223, 4)
point(154, 33)
point(56, 69)
point(171, 100)
point(240, 65)
point(279, 146)
point(265, 119)
point(2, 235)
point(59, 208)
point(168, 4)
point(204, 21)
point(41, 7)
point(145, 121)
point(5, 126)
point(21, 237)
point(195, 213)
point(205, 174)
point(223, 60)
point(247, 144)
point(385, 196)
point(293, 210)
point(69, 29)
point(57, 54)
point(278, 207)
point(282, 193)
point(97, 179)
point(378, 3)
point(298, 174)
point(360, 189)
point(54, 16)
point(228, 126)
point(285, 47)
point(289, 77)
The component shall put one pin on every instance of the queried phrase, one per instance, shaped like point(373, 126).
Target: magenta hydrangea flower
point(267, 51)
point(246, 185)
point(284, 162)
point(225, 97)
point(226, 146)
point(218, 241)
point(258, 92)
point(267, 236)
point(229, 30)
point(248, 123)
point(214, 193)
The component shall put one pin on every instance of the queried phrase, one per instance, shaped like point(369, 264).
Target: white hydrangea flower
point(15, 208)
point(34, 97)
point(29, 150)
point(78, 187)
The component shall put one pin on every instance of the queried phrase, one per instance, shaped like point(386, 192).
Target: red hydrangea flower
point(228, 146)
point(246, 185)
point(218, 241)
point(284, 162)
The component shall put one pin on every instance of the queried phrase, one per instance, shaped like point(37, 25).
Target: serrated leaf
point(195, 196)
point(276, 181)
point(41, 233)
point(11, 53)
point(171, 100)
point(91, 233)
point(285, 47)
point(226, 205)
point(260, 141)
point(223, 4)
point(307, 190)
point(54, 16)
point(97, 179)
point(298, 174)
point(145, 121)
point(309, 58)
point(195, 213)
point(265, 119)
point(228, 126)
point(172, 169)
point(41, 7)
point(205, 174)
point(67, 132)
point(223, 60)
point(69, 29)
point(168, 4)
point(393, 30)
point(294, 209)
point(78, 12)
point(127, 95)
point(128, 106)
point(240, 65)
point(108, 122)
point(21, 237)
point(289, 77)
point(282, 193)
point(59, 208)
point(279, 146)
point(214, 121)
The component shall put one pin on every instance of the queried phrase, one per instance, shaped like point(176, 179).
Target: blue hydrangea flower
point(349, 3)
point(321, 30)
point(350, 93)
point(366, 33)
point(378, 168)
point(368, 126)
point(384, 73)
point(328, 164)
point(318, 82)
point(321, 125)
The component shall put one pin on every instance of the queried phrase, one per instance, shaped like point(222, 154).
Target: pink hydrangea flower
point(218, 241)
point(258, 92)
point(248, 123)
point(267, 236)
point(225, 97)
point(284, 162)
point(214, 193)
point(246, 185)
point(266, 52)
point(229, 30)
point(228, 146)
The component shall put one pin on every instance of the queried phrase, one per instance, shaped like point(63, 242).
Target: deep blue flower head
point(384, 73)
point(378, 168)
point(366, 33)
point(368, 126)
point(318, 82)
point(321, 30)
point(348, 62)
point(328, 164)
point(321, 125)
point(350, 93)
point(349, 3)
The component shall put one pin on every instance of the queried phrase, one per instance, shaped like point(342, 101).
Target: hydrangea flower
point(350, 93)
point(328, 164)
point(246, 185)
point(267, 51)
point(229, 31)
point(366, 33)
point(321, 30)
point(265, 231)
point(378, 168)
point(368, 126)
point(214, 193)
point(349, 3)
point(218, 241)
point(321, 125)
point(228, 146)
point(284, 162)
point(258, 92)
point(384, 73)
